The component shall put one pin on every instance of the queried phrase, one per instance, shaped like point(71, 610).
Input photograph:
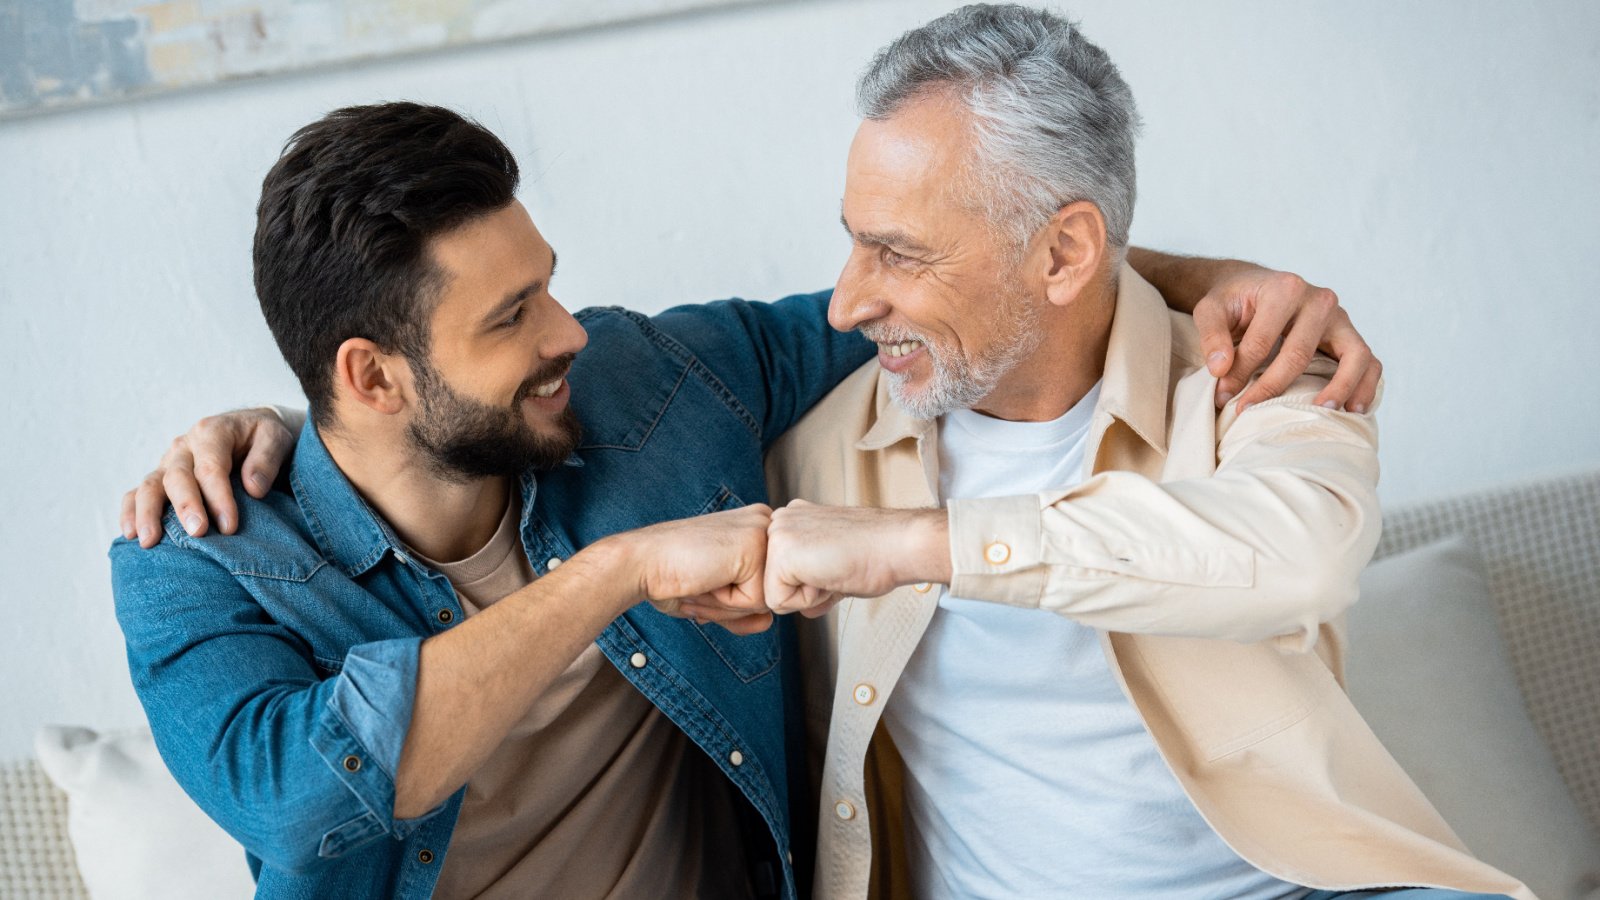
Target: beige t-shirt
point(594, 793)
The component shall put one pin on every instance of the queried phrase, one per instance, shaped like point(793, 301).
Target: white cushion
point(1427, 669)
point(136, 834)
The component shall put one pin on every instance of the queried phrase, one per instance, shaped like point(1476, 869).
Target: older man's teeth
point(904, 348)
point(548, 389)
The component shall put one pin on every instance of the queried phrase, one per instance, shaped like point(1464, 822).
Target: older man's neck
point(443, 519)
point(1065, 367)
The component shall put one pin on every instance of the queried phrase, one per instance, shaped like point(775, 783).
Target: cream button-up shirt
point(1214, 552)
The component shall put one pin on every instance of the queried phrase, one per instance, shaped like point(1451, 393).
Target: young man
point(432, 641)
point(428, 667)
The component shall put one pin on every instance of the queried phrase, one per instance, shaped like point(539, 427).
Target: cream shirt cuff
point(997, 550)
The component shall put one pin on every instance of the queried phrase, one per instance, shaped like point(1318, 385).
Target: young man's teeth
point(904, 348)
point(548, 389)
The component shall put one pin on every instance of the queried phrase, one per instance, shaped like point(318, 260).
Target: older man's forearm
point(1269, 545)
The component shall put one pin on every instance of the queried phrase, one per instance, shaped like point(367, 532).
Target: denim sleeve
point(777, 359)
point(295, 764)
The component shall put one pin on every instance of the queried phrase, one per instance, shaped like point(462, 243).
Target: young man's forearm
point(476, 680)
point(1181, 280)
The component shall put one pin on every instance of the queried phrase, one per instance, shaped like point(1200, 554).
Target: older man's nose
point(853, 298)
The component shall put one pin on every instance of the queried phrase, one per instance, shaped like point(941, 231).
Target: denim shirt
point(278, 665)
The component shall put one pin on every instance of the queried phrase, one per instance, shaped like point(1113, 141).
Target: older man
point(1110, 666)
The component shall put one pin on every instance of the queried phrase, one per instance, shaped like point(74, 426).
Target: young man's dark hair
point(343, 227)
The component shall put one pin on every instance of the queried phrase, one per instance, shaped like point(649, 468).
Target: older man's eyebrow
point(520, 295)
point(895, 240)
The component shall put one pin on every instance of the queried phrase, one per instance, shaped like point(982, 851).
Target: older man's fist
point(817, 555)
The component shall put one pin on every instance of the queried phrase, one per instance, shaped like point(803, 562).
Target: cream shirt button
point(736, 758)
point(996, 553)
point(551, 565)
point(637, 660)
point(864, 693)
point(844, 810)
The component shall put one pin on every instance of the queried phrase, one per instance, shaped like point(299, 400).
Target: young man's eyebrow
point(519, 296)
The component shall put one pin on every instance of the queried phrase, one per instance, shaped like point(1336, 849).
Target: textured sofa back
point(1540, 542)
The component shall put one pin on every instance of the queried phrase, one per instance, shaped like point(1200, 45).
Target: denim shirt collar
point(346, 529)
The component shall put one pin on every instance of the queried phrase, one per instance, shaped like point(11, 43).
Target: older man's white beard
point(956, 384)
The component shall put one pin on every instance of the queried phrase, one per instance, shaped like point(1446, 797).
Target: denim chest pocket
point(748, 656)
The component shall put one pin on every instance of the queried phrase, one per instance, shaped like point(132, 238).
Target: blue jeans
point(1402, 894)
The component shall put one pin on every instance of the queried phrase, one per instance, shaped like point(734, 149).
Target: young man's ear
point(1073, 250)
point(367, 375)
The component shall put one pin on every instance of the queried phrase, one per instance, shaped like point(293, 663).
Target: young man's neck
point(441, 518)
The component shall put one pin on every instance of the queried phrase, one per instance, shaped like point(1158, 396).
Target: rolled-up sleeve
point(1269, 545)
point(296, 762)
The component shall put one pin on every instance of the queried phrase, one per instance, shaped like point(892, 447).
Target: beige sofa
point(1539, 543)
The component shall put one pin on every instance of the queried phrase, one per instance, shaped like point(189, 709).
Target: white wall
point(1438, 164)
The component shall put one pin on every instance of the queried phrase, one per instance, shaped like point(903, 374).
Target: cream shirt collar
point(1134, 387)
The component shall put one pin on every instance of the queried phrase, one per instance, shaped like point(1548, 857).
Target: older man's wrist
point(925, 554)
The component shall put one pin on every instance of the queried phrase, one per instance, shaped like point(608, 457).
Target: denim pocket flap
point(351, 834)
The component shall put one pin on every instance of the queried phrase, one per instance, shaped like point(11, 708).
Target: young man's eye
point(512, 320)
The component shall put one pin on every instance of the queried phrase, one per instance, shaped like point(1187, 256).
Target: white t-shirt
point(1029, 774)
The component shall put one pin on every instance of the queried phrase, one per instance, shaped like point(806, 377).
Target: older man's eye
point(896, 259)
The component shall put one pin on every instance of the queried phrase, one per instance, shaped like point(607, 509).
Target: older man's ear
point(1072, 252)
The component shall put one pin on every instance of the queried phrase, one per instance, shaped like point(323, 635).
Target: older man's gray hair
point(1055, 121)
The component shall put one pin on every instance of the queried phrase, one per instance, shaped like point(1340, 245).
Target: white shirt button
point(996, 554)
point(637, 660)
point(736, 758)
point(844, 810)
point(551, 565)
point(922, 588)
point(864, 694)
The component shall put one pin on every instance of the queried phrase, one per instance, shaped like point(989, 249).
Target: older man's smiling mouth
point(903, 348)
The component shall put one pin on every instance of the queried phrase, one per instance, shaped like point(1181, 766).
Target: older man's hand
point(816, 555)
point(194, 474)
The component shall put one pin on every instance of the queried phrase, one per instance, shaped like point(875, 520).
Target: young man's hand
point(708, 568)
point(194, 472)
point(816, 555)
point(1258, 308)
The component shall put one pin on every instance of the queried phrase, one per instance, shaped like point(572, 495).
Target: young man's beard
point(465, 440)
